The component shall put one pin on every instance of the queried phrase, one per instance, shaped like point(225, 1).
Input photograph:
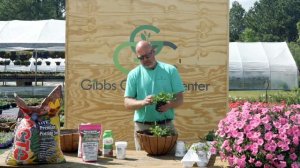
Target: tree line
point(32, 9)
point(267, 21)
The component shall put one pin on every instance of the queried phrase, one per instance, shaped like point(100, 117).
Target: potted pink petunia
point(260, 135)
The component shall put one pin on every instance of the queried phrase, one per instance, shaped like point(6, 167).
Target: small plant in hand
point(159, 131)
point(161, 99)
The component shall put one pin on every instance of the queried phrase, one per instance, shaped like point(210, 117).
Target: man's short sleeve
point(177, 84)
point(131, 85)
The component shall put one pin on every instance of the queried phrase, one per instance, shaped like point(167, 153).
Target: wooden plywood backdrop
point(192, 34)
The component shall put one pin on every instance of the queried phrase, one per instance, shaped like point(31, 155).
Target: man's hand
point(165, 108)
point(148, 100)
point(172, 104)
point(133, 104)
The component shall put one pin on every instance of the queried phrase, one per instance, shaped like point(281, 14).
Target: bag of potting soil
point(89, 141)
point(37, 135)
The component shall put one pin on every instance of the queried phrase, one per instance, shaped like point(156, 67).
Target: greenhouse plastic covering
point(48, 35)
point(261, 65)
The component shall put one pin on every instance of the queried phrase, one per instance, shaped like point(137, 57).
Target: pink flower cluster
point(260, 135)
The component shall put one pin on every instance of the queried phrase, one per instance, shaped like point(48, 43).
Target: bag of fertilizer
point(89, 141)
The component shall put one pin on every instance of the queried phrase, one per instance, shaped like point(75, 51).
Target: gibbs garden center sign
point(94, 84)
point(100, 48)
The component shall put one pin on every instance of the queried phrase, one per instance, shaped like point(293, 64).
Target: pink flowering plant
point(260, 135)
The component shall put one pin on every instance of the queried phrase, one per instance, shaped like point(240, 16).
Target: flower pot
point(158, 104)
point(69, 139)
point(154, 145)
point(38, 63)
point(13, 105)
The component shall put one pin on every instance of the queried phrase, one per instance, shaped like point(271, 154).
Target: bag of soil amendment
point(37, 135)
point(89, 141)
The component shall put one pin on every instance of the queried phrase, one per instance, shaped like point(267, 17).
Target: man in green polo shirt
point(147, 80)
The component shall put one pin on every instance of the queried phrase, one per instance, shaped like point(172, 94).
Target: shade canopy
point(47, 35)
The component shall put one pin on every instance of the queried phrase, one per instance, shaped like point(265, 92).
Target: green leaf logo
point(144, 35)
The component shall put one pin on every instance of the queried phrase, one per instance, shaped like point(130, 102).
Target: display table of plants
point(6, 139)
point(7, 124)
point(8, 121)
point(31, 75)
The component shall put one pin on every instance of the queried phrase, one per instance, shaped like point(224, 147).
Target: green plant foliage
point(163, 97)
point(62, 120)
point(210, 136)
point(33, 101)
point(32, 9)
point(17, 62)
point(5, 137)
point(4, 104)
point(159, 131)
point(295, 49)
point(288, 97)
point(4, 118)
point(201, 147)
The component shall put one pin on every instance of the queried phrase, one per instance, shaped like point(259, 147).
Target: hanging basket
point(154, 145)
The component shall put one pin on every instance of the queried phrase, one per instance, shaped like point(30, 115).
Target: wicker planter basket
point(154, 145)
point(69, 139)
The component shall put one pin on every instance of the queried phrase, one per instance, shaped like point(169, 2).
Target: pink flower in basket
point(260, 135)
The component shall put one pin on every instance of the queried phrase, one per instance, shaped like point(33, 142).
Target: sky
point(247, 4)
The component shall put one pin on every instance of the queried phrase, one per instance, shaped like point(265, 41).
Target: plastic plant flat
point(191, 157)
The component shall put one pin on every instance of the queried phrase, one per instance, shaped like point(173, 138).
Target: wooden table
point(135, 159)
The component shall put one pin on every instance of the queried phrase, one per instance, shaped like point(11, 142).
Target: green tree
point(236, 21)
point(274, 20)
point(295, 47)
point(32, 9)
point(249, 35)
point(295, 50)
point(298, 28)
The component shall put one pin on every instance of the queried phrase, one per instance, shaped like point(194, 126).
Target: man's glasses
point(142, 57)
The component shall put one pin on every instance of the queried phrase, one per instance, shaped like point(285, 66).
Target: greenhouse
point(261, 65)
